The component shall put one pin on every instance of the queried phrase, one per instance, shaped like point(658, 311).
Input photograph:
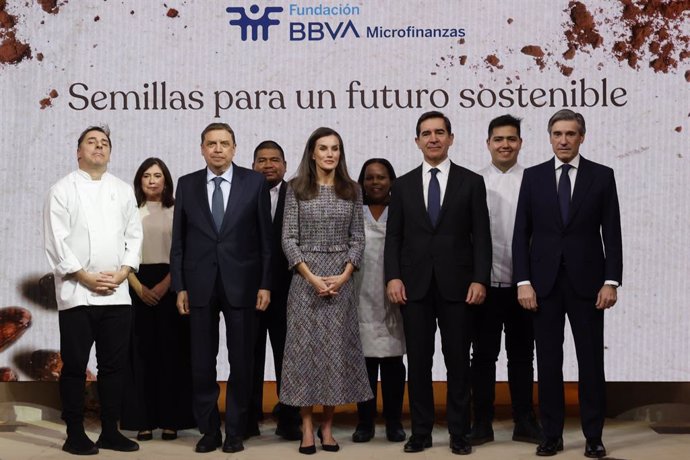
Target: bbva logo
point(254, 25)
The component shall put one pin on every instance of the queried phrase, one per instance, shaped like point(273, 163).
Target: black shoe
point(145, 435)
point(481, 434)
point(417, 443)
point(79, 444)
point(232, 444)
point(527, 429)
point(549, 447)
point(251, 431)
point(363, 433)
point(289, 432)
point(307, 450)
point(327, 447)
point(169, 435)
point(594, 448)
point(209, 442)
point(395, 432)
point(459, 445)
point(116, 441)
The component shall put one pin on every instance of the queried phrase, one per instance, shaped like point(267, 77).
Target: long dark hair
point(304, 184)
point(167, 197)
point(382, 161)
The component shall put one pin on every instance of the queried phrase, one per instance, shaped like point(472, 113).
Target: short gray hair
point(568, 115)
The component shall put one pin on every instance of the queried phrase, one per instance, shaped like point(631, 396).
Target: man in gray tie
point(220, 261)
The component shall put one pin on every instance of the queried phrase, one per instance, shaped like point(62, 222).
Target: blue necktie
point(434, 206)
point(564, 192)
point(217, 206)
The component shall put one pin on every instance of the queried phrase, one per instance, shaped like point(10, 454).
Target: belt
point(499, 284)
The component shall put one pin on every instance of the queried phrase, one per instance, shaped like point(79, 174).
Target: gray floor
point(34, 432)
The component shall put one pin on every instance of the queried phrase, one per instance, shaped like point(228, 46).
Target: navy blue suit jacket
point(457, 251)
point(589, 245)
point(240, 252)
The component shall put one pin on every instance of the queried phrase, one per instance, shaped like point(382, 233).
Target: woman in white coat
point(380, 322)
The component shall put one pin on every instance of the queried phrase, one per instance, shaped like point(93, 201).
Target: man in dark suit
point(220, 261)
point(437, 262)
point(568, 260)
point(269, 160)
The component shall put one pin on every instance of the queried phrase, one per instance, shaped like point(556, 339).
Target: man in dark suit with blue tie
point(437, 263)
point(220, 261)
point(568, 260)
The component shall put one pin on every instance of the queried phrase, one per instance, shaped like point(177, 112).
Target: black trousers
point(80, 327)
point(158, 383)
point(501, 311)
point(587, 324)
point(271, 323)
point(240, 328)
point(392, 390)
point(419, 322)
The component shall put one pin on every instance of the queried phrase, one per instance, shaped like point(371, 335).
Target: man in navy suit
point(220, 261)
point(437, 263)
point(568, 260)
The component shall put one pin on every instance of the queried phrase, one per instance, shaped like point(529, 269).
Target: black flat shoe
point(459, 445)
point(209, 442)
point(79, 444)
point(232, 445)
point(116, 441)
point(594, 448)
point(363, 433)
point(527, 429)
point(395, 433)
point(550, 447)
point(144, 436)
point(169, 435)
point(251, 431)
point(327, 447)
point(417, 443)
point(481, 434)
point(289, 432)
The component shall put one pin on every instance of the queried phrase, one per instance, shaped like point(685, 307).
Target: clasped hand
point(326, 286)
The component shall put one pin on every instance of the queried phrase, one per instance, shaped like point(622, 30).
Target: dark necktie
point(217, 207)
point(434, 206)
point(564, 192)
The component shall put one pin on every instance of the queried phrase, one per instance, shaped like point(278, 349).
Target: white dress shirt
point(225, 186)
point(441, 175)
point(275, 194)
point(92, 225)
point(502, 191)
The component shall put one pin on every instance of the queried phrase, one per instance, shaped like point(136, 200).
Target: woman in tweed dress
point(323, 240)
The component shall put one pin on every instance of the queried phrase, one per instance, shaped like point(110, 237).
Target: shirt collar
point(84, 175)
point(227, 175)
point(575, 162)
point(444, 166)
point(513, 169)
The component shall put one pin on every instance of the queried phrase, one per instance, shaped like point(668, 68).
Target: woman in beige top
point(158, 392)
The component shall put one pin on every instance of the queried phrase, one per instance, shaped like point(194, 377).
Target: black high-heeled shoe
point(307, 450)
point(327, 447)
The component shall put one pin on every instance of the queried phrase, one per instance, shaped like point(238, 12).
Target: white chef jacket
point(502, 191)
point(92, 225)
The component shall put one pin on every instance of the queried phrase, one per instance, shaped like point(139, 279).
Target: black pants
point(392, 390)
point(80, 327)
point(419, 321)
point(271, 323)
point(240, 328)
point(502, 310)
point(158, 383)
point(587, 325)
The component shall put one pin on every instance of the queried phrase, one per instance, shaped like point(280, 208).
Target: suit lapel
point(278, 218)
point(582, 184)
point(452, 189)
point(417, 194)
point(201, 192)
point(550, 190)
point(235, 198)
